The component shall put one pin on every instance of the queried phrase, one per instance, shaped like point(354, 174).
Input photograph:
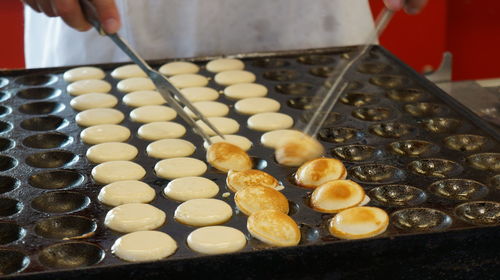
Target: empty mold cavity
point(4, 110)
point(65, 227)
point(357, 99)
point(459, 189)
point(7, 163)
point(372, 113)
point(294, 88)
point(376, 174)
point(308, 233)
point(390, 129)
point(71, 255)
point(339, 134)
point(36, 80)
point(50, 159)
point(398, 195)
point(56, 179)
point(389, 81)
point(322, 71)
point(373, 67)
point(465, 142)
point(5, 144)
point(4, 96)
point(330, 119)
point(270, 63)
point(8, 184)
point(495, 182)
point(38, 93)
point(47, 140)
point(60, 202)
point(301, 103)
point(41, 108)
point(259, 163)
point(3, 82)
point(424, 109)
point(315, 59)
point(413, 148)
point(405, 94)
point(43, 123)
point(10, 232)
point(441, 125)
point(421, 219)
point(435, 167)
point(479, 212)
point(9, 206)
point(485, 161)
point(5, 126)
point(354, 153)
point(280, 75)
point(12, 261)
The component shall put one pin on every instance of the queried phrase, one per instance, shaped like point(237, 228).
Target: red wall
point(469, 29)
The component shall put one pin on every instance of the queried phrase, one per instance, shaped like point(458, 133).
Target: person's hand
point(410, 6)
point(71, 13)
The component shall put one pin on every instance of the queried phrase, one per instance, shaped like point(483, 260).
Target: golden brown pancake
point(251, 200)
point(337, 195)
point(274, 228)
point(359, 222)
point(225, 156)
point(238, 180)
point(317, 171)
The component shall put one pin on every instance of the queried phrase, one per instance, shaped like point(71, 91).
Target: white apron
point(185, 28)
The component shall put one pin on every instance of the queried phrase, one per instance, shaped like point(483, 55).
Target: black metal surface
point(461, 247)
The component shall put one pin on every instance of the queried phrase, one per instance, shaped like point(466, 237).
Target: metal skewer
point(165, 88)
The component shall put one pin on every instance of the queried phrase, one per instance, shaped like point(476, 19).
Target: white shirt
point(160, 29)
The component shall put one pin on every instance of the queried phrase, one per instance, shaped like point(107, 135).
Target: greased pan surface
point(431, 164)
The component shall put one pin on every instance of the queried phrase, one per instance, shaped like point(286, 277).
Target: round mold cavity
point(301, 103)
point(424, 109)
point(354, 85)
point(315, 59)
point(10, 232)
point(4, 110)
point(441, 125)
point(7, 163)
point(485, 161)
point(357, 99)
point(259, 163)
point(36, 80)
point(60, 202)
point(12, 261)
point(308, 233)
point(294, 88)
point(56, 179)
point(338, 134)
point(435, 167)
point(377, 174)
point(413, 148)
point(3, 82)
point(390, 129)
point(372, 113)
point(38, 93)
point(405, 94)
point(8, 184)
point(495, 182)
point(5, 144)
point(41, 108)
point(270, 63)
point(459, 189)
point(9, 206)
point(373, 68)
point(280, 75)
point(293, 208)
point(5, 126)
point(353, 153)
point(71, 255)
point(331, 118)
point(465, 142)
point(43, 123)
point(52, 159)
point(47, 140)
point(65, 227)
point(322, 71)
point(420, 219)
point(479, 212)
point(389, 81)
point(4, 96)
point(398, 195)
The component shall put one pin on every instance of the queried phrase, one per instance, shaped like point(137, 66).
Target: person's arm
point(71, 13)
point(410, 6)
